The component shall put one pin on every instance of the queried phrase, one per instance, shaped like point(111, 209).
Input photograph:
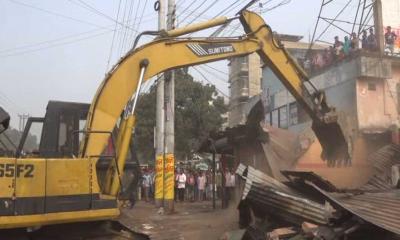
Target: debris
point(147, 226)
point(281, 233)
point(396, 176)
point(382, 161)
point(319, 209)
point(308, 227)
point(380, 209)
point(160, 211)
point(274, 198)
point(233, 235)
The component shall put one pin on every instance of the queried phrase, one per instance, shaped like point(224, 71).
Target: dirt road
point(194, 221)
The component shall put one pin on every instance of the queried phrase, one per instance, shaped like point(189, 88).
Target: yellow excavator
point(39, 191)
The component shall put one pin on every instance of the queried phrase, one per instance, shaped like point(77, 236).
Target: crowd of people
point(197, 185)
point(350, 45)
point(193, 185)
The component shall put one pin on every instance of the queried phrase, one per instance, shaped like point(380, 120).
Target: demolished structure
point(336, 213)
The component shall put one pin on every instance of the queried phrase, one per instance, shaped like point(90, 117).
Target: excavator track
point(110, 230)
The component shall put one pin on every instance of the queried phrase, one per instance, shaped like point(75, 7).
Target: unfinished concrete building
point(244, 83)
point(246, 74)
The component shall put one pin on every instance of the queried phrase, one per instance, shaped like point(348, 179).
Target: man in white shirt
point(201, 184)
point(146, 185)
point(181, 179)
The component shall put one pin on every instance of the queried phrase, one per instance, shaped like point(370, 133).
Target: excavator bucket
point(333, 142)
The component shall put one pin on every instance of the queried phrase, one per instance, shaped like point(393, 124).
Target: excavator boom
point(169, 53)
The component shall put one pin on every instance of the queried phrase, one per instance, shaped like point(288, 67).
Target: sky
point(60, 49)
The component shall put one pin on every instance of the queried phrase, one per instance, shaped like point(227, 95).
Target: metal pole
point(379, 26)
point(169, 164)
point(213, 181)
point(159, 161)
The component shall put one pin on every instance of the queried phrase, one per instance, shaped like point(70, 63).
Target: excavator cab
point(60, 135)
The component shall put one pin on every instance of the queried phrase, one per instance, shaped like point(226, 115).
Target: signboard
point(169, 176)
point(391, 17)
point(202, 166)
point(159, 177)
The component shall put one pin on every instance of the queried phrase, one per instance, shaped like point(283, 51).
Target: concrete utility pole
point(169, 164)
point(159, 161)
point(379, 31)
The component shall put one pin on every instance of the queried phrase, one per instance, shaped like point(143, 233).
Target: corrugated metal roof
point(382, 161)
point(279, 200)
point(380, 209)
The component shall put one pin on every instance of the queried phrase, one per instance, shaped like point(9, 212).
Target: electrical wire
point(113, 38)
point(95, 11)
point(32, 45)
point(230, 6)
point(216, 69)
point(132, 36)
point(213, 74)
point(140, 19)
point(184, 10)
point(190, 14)
point(126, 34)
point(55, 45)
point(205, 78)
point(121, 34)
point(284, 2)
point(54, 13)
point(204, 11)
point(11, 102)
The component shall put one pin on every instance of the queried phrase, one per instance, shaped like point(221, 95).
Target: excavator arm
point(170, 52)
point(325, 120)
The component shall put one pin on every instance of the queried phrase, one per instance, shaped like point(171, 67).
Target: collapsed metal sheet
point(275, 198)
point(382, 162)
point(381, 209)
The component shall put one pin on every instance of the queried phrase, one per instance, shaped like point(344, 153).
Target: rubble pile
point(306, 206)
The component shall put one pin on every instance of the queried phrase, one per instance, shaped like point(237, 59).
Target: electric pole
point(379, 31)
point(169, 164)
point(160, 114)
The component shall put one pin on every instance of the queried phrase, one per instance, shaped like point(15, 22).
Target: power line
point(190, 14)
point(49, 41)
point(205, 10)
point(284, 2)
point(205, 17)
point(55, 45)
point(216, 69)
point(213, 74)
point(127, 22)
point(54, 13)
point(205, 78)
point(94, 10)
point(186, 8)
point(11, 102)
point(113, 38)
point(230, 6)
point(121, 34)
point(141, 17)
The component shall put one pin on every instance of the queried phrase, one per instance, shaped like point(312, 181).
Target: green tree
point(198, 111)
